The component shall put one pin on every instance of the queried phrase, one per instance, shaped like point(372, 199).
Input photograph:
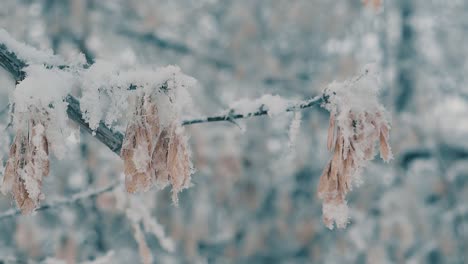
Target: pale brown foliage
point(141, 132)
point(152, 154)
point(354, 142)
point(27, 163)
point(178, 162)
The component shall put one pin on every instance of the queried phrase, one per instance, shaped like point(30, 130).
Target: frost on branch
point(28, 53)
point(155, 150)
point(357, 122)
point(104, 95)
point(273, 104)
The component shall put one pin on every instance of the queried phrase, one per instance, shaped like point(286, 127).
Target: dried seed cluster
point(27, 163)
point(353, 134)
point(154, 154)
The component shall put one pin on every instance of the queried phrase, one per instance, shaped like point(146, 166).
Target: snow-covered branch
point(154, 148)
point(42, 112)
point(113, 139)
point(232, 114)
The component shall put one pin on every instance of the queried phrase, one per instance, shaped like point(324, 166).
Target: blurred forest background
point(254, 199)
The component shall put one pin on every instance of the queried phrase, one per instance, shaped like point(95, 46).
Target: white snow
point(105, 91)
point(31, 184)
point(42, 87)
point(30, 54)
point(337, 213)
point(141, 158)
point(40, 96)
point(358, 95)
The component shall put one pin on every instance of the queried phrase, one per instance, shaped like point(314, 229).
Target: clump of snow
point(42, 87)
point(358, 94)
point(41, 97)
point(32, 185)
point(29, 54)
point(273, 104)
point(337, 213)
point(174, 98)
point(106, 91)
point(101, 98)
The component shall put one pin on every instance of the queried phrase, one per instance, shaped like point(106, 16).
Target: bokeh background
point(254, 198)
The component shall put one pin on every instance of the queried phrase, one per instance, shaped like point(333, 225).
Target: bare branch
point(89, 194)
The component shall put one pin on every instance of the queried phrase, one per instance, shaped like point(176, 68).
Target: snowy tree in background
point(96, 123)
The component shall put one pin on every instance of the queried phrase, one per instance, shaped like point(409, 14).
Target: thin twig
point(90, 194)
point(260, 111)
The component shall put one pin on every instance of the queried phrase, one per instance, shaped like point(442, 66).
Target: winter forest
point(222, 131)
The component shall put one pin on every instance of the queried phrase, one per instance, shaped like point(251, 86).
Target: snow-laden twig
point(232, 114)
point(113, 139)
point(89, 194)
point(16, 64)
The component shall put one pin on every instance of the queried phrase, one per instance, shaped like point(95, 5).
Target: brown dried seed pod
point(27, 164)
point(137, 147)
point(159, 159)
point(385, 150)
point(178, 162)
point(333, 180)
point(331, 132)
point(353, 145)
point(153, 154)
